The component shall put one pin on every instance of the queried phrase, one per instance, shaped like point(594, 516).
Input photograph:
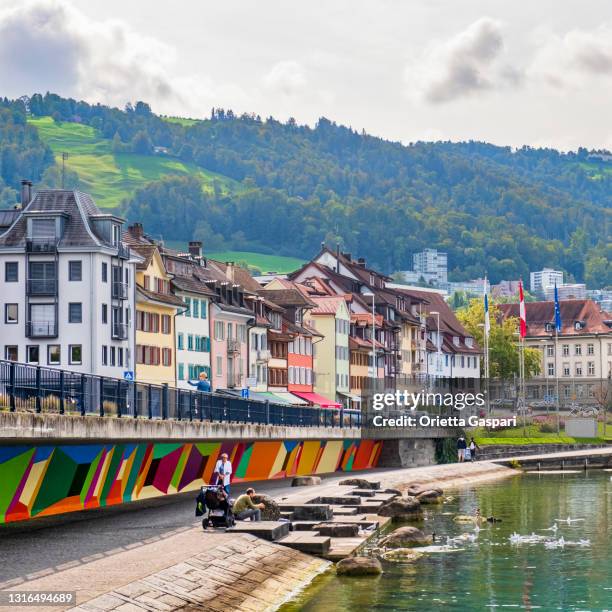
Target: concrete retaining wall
point(407, 453)
point(23, 426)
point(499, 451)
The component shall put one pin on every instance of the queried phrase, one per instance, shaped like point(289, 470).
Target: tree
point(141, 143)
point(503, 341)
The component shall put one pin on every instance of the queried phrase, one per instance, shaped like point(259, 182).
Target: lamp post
point(375, 366)
point(435, 312)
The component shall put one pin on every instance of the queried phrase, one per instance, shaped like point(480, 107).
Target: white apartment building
point(540, 280)
point(67, 285)
point(574, 291)
point(431, 263)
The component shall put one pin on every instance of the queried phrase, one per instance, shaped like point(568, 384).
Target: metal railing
point(119, 331)
point(41, 329)
point(42, 286)
point(123, 251)
point(38, 389)
point(41, 245)
point(233, 345)
point(119, 290)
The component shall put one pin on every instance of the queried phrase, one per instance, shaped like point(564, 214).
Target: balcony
point(42, 286)
point(119, 290)
point(41, 245)
point(263, 355)
point(233, 346)
point(119, 331)
point(41, 329)
point(233, 381)
point(123, 251)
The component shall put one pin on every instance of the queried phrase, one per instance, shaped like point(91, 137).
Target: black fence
point(30, 388)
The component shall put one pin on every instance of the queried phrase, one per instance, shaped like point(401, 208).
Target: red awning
point(315, 398)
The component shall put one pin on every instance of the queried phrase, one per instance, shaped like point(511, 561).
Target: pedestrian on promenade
point(461, 446)
point(473, 448)
point(203, 383)
point(244, 507)
point(223, 472)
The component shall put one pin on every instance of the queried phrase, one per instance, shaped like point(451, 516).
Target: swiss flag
point(522, 315)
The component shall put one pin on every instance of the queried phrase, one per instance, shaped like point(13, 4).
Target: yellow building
point(331, 318)
point(155, 310)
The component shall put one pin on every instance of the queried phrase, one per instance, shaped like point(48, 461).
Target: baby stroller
point(213, 502)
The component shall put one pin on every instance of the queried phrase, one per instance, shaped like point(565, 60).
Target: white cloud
point(286, 78)
point(50, 45)
point(466, 64)
point(574, 59)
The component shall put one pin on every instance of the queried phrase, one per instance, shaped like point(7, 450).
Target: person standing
point(203, 383)
point(223, 472)
point(473, 448)
point(461, 446)
point(245, 508)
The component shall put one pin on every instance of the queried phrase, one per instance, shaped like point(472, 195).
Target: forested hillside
point(493, 209)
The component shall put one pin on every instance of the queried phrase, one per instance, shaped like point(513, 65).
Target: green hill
point(243, 183)
point(109, 176)
point(264, 263)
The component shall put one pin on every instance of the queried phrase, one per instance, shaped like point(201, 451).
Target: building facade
point(67, 285)
point(580, 355)
point(542, 279)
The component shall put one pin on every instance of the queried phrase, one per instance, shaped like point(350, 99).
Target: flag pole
point(557, 381)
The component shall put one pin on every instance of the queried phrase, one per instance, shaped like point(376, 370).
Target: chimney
point(136, 230)
point(229, 272)
point(361, 262)
point(347, 256)
point(195, 248)
point(26, 192)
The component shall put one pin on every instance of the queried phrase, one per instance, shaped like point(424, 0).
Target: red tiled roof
point(538, 314)
point(326, 305)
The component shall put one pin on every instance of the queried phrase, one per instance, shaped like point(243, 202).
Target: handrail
point(38, 389)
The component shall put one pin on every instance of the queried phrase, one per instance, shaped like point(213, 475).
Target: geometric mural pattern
point(40, 481)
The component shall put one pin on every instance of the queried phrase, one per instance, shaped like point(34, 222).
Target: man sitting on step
point(245, 508)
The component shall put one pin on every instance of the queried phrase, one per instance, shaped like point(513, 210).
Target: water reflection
point(491, 572)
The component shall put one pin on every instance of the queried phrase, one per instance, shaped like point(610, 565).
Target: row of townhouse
point(83, 292)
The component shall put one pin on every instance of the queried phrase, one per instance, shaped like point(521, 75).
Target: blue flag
point(557, 311)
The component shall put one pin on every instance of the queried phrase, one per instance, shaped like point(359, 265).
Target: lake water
point(492, 572)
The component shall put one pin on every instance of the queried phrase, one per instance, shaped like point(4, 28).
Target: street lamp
point(438, 360)
point(369, 294)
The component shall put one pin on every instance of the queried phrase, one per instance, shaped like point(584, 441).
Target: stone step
point(370, 505)
point(340, 500)
point(364, 492)
point(307, 542)
point(304, 525)
point(308, 512)
point(383, 497)
point(267, 530)
point(344, 510)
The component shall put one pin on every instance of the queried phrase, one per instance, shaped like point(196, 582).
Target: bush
point(547, 427)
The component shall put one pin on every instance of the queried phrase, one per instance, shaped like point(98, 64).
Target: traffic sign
point(128, 375)
point(244, 393)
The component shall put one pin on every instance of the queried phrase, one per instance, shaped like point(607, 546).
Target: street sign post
point(128, 375)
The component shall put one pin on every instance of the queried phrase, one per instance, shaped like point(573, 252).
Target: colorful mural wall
point(44, 480)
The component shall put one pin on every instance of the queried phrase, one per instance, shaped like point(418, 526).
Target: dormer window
point(43, 229)
point(549, 327)
point(578, 325)
point(116, 235)
point(469, 342)
point(456, 340)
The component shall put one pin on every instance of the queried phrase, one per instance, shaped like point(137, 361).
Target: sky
point(508, 72)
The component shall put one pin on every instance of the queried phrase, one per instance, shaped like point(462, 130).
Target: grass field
point(110, 177)
point(264, 263)
point(514, 436)
point(181, 120)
